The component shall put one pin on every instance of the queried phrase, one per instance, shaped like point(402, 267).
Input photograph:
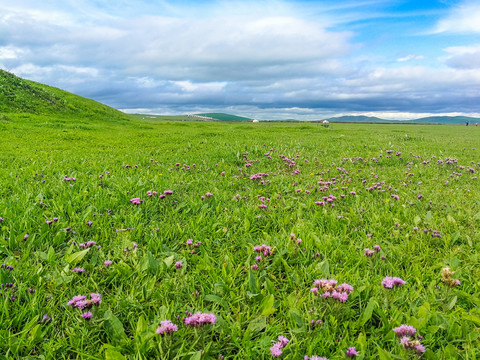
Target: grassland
point(412, 190)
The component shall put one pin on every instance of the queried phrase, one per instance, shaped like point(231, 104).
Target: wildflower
point(87, 315)
point(178, 265)
point(352, 352)
point(447, 277)
point(166, 327)
point(254, 267)
point(78, 270)
point(96, 298)
point(389, 282)
point(136, 201)
point(107, 263)
point(198, 319)
point(377, 248)
point(404, 330)
point(189, 241)
point(276, 349)
point(368, 252)
point(208, 194)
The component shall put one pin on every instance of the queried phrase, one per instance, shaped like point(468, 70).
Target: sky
point(267, 59)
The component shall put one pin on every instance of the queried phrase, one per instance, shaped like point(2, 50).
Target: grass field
point(75, 196)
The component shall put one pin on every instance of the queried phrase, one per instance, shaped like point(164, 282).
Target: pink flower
point(404, 330)
point(166, 327)
point(389, 282)
point(198, 319)
point(178, 265)
point(352, 352)
point(136, 201)
point(87, 315)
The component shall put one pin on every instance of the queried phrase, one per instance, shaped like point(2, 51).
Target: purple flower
point(178, 265)
point(89, 223)
point(166, 327)
point(198, 319)
point(254, 267)
point(377, 248)
point(276, 350)
point(78, 270)
point(136, 201)
point(388, 282)
point(404, 330)
point(87, 315)
point(96, 298)
point(368, 252)
point(352, 352)
point(107, 263)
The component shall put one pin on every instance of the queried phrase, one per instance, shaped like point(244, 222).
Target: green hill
point(359, 119)
point(225, 117)
point(37, 101)
point(447, 120)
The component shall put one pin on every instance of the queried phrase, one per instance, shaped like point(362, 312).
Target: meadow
point(293, 241)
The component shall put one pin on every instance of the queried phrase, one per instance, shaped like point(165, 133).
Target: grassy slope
point(24, 99)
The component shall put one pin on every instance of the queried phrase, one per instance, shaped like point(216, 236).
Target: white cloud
point(464, 18)
point(463, 57)
point(410, 57)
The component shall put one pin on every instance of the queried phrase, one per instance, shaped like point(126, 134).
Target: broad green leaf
point(257, 324)
point(383, 355)
point(266, 306)
point(111, 354)
point(367, 314)
point(169, 260)
point(217, 300)
point(452, 303)
point(323, 268)
point(114, 327)
point(75, 258)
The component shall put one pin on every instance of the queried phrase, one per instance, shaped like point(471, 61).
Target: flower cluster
point(166, 327)
point(199, 319)
point(369, 252)
point(81, 302)
point(330, 289)
point(264, 249)
point(405, 333)
point(352, 352)
point(447, 278)
point(276, 349)
point(136, 201)
point(389, 282)
point(314, 357)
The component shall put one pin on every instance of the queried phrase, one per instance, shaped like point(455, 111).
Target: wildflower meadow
point(192, 240)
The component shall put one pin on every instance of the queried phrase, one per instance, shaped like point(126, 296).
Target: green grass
point(253, 307)
point(34, 102)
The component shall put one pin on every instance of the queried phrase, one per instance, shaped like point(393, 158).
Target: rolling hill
point(36, 101)
point(225, 117)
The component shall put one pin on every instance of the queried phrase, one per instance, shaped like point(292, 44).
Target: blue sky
point(267, 59)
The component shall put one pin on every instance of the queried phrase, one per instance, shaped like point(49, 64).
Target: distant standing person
point(466, 123)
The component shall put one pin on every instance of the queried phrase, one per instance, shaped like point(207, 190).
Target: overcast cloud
point(267, 59)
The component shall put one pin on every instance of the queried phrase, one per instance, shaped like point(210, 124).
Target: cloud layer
point(274, 58)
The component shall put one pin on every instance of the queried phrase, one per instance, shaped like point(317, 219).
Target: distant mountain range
point(355, 119)
point(425, 120)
